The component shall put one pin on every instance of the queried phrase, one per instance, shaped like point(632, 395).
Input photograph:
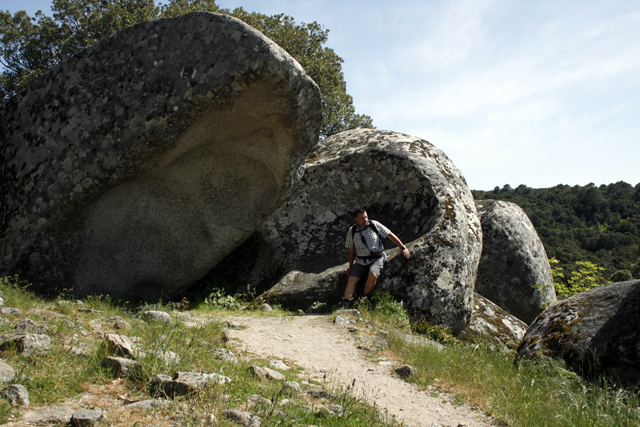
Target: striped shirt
point(374, 242)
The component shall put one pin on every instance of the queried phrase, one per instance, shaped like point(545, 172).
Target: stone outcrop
point(596, 329)
point(405, 183)
point(513, 272)
point(135, 166)
point(494, 324)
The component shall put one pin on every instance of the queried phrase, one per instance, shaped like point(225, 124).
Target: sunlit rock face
point(132, 168)
point(513, 272)
point(593, 331)
point(403, 182)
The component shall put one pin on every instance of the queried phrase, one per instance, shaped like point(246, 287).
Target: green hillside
point(590, 223)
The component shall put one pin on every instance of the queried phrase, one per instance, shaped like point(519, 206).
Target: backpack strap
point(354, 229)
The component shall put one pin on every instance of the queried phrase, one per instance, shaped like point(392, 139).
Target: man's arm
point(403, 250)
point(352, 257)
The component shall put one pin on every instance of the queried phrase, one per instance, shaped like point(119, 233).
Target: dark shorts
point(362, 271)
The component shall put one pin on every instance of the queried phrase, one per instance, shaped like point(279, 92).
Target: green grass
point(533, 393)
point(58, 375)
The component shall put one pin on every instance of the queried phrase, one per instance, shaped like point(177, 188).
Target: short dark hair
point(358, 212)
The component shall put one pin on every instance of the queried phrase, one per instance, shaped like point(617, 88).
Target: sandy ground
point(329, 352)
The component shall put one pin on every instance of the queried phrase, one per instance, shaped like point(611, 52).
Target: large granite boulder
point(135, 166)
point(594, 330)
point(513, 271)
point(402, 181)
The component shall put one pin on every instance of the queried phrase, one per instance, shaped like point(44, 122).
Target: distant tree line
point(593, 224)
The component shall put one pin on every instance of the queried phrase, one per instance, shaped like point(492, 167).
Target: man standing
point(364, 241)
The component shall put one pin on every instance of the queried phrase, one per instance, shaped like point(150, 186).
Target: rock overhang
point(193, 126)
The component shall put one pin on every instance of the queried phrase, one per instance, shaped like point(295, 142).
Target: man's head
point(361, 218)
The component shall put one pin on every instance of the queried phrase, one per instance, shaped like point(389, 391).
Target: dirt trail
point(324, 350)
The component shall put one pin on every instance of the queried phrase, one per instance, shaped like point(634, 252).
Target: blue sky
point(514, 92)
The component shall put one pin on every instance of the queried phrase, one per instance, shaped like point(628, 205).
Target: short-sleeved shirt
point(374, 242)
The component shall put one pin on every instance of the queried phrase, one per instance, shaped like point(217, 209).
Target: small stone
point(406, 371)
point(81, 349)
point(16, 395)
point(292, 387)
point(7, 373)
point(12, 311)
point(274, 375)
point(341, 320)
point(208, 420)
point(258, 372)
point(257, 400)
point(157, 316)
point(119, 366)
point(265, 307)
point(123, 345)
point(1, 302)
point(148, 404)
point(351, 311)
point(85, 418)
point(117, 322)
point(48, 415)
point(278, 364)
point(4, 321)
point(246, 419)
point(27, 344)
point(28, 326)
point(224, 355)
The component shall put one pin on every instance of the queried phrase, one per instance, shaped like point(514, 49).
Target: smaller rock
point(185, 383)
point(117, 322)
point(257, 400)
point(4, 321)
point(48, 415)
point(341, 320)
point(157, 316)
point(81, 349)
point(337, 409)
point(85, 418)
point(247, 419)
point(7, 373)
point(278, 364)
point(421, 341)
point(119, 366)
point(274, 375)
point(224, 355)
point(285, 402)
point(12, 311)
point(121, 344)
point(149, 404)
point(265, 307)
point(28, 326)
point(406, 371)
point(1, 302)
point(292, 387)
point(258, 372)
point(351, 311)
point(27, 344)
point(16, 395)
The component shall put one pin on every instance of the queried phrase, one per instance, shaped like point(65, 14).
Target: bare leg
point(352, 281)
point(372, 279)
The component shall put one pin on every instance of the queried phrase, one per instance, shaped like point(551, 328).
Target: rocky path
point(330, 353)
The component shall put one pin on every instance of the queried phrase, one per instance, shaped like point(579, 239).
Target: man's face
point(362, 220)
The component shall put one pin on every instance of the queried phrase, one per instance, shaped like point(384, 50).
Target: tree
point(29, 47)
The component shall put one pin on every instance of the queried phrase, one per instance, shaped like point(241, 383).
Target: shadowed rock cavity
point(513, 271)
point(402, 181)
point(166, 146)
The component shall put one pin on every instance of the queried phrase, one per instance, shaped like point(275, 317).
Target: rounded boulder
point(513, 272)
point(403, 182)
point(133, 167)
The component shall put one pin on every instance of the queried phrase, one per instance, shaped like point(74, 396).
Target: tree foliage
point(599, 225)
point(586, 276)
point(30, 46)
